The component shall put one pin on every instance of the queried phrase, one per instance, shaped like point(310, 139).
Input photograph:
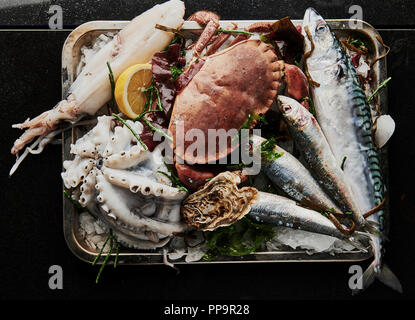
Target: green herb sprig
point(131, 129)
point(238, 166)
point(147, 109)
point(343, 161)
point(382, 85)
point(113, 242)
point(111, 238)
point(75, 203)
point(268, 152)
point(155, 129)
point(112, 103)
point(252, 117)
point(173, 178)
point(311, 106)
point(176, 39)
point(359, 44)
point(241, 238)
point(175, 72)
point(220, 30)
point(111, 78)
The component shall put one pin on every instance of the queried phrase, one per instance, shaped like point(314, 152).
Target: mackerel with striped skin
point(345, 118)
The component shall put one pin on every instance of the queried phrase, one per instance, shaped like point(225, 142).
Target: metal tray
point(85, 33)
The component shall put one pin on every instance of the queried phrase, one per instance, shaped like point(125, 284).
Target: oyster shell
point(219, 203)
point(120, 182)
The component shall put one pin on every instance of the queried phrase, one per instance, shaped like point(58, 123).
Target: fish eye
point(321, 26)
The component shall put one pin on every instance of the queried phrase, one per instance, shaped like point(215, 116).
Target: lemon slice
point(129, 88)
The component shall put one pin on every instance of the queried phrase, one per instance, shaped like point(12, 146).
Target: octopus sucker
point(137, 183)
point(126, 159)
point(76, 171)
point(88, 188)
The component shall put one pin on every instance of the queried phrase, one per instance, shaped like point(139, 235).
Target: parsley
point(268, 150)
point(359, 44)
point(175, 72)
point(241, 238)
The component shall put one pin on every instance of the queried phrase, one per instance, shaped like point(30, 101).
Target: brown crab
point(220, 90)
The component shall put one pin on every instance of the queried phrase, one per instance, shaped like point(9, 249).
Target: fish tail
point(372, 228)
point(356, 244)
point(383, 274)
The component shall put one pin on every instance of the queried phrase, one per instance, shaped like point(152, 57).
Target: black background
point(31, 235)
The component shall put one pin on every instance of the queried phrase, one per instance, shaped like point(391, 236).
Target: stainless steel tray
point(71, 53)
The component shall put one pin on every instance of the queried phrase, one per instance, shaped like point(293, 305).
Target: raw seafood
point(120, 182)
point(230, 85)
point(136, 43)
point(277, 210)
point(345, 118)
point(290, 175)
point(317, 153)
point(219, 203)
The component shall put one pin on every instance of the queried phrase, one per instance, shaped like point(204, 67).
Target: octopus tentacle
point(140, 244)
point(113, 200)
point(137, 183)
point(76, 171)
point(122, 138)
point(88, 188)
point(85, 147)
point(126, 159)
point(101, 132)
point(124, 188)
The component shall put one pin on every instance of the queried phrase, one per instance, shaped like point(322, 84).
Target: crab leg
point(211, 21)
point(239, 38)
point(221, 39)
point(136, 43)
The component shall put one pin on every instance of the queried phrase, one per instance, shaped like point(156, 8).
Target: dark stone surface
point(31, 216)
point(379, 13)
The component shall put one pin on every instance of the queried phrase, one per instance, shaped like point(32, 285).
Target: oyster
point(219, 203)
point(120, 182)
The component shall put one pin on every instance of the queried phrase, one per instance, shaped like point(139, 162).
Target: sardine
point(290, 175)
point(314, 147)
point(345, 118)
point(281, 211)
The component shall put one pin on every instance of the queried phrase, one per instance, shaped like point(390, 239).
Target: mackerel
point(344, 116)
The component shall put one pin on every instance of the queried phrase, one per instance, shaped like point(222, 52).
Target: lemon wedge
point(129, 88)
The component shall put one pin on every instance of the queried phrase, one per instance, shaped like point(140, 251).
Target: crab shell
point(230, 85)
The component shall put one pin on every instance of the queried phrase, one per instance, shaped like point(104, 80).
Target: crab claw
point(296, 84)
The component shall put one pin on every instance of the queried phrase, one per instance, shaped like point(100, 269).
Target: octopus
point(123, 184)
